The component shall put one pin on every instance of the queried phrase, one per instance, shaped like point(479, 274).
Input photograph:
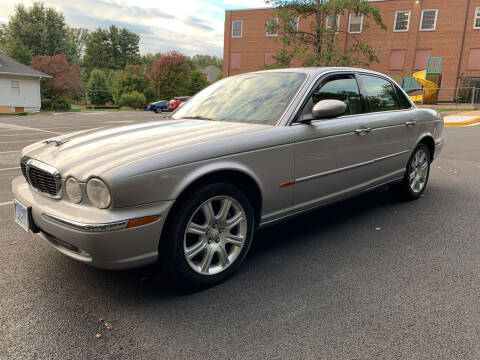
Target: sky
point(189, 26)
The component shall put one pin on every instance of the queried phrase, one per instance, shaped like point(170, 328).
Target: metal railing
point(463, 95)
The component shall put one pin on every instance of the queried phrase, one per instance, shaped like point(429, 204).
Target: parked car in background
point(246, 152)
point(176, 101)
point(158, 106)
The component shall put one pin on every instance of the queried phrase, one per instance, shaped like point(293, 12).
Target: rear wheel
point(208, 237)
point(156, 110)
point(416, 176)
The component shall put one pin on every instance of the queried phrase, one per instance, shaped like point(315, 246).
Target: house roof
point(211, 71)
point(12, 67)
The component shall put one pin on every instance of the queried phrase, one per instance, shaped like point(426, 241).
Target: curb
point(463, 123)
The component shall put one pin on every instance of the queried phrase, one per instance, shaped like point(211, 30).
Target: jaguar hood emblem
point(56, 142)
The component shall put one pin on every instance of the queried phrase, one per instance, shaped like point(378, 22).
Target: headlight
point(98, 193)
point(73, 190)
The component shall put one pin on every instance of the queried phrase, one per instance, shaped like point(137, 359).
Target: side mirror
point(325, 109)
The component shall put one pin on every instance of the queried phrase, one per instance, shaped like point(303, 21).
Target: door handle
point(362, 131)
point(411, 123)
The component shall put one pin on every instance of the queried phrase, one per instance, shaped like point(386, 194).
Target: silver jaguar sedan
point(246, 152)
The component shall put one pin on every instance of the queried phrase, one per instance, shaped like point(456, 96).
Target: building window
point(269, 60)
point(237, 28)
point(234, 61)
point(397, 59)
point(355, 24)
point(15, 86)
point(402, 21)
point(476, 21)
point(474, 59)
point(421, 59)
point(294, 23)
point(329, 23)
point(272, 22)
point(428, 21)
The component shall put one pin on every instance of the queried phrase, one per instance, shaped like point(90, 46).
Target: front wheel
point(208, 237)
point(416, 176)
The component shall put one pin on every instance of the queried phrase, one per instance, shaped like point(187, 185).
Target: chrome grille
point(42, 177)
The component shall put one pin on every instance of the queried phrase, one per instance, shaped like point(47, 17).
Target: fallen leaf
point(86, 312)
point(101, 319)
point(439, 167)
point(378, 228)
point(108, 326)
point(98, 336)
point(455, 172)
point(13, 243)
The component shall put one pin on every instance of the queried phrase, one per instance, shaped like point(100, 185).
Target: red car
point(176, 101)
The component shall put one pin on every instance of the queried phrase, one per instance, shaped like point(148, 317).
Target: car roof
point(314, 71)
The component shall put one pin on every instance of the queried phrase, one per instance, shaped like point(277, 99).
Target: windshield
point(257, 98)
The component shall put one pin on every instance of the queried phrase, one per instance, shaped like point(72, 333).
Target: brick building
point(416, 30)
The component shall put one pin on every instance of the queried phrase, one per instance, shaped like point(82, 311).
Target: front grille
point(24, 169)
point(42, 181)
point(42, 177)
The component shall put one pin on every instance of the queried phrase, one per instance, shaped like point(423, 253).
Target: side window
point(403, 100)
point(381, 94)
point(337, 88)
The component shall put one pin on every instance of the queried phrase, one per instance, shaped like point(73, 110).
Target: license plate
point(20, 213)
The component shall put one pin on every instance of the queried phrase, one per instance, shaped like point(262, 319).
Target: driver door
point(332, 155)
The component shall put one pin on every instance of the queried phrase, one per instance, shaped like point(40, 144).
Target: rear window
point(381, 93)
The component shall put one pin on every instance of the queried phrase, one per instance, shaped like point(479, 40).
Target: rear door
point(392, 124)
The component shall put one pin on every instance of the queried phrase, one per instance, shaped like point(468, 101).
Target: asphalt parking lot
point(365, 278)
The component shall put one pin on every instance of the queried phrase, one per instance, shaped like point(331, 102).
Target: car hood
point(95, 151)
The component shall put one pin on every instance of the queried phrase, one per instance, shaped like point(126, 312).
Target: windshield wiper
point(198, 117)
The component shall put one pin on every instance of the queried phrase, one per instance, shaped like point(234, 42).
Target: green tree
point(42, 30)
point(202, 61)
point(170, 75)
point(147, 61)
point(97, 91)
point(3, 36)
point(18, 51)
point(198, 81)
point(315, 45)
point(111, 48)
point(132, 79)
point(76, 42)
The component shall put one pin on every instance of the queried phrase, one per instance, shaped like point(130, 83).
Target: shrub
point(46, 104)
point(133, 99)
point(62, 104)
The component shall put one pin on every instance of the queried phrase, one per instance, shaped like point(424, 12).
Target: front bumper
point(109, 248)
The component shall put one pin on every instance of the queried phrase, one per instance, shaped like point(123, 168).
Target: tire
point(156, 110)
point(416, 176)
point(212, 248)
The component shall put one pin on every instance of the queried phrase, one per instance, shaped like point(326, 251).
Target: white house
point(19, 86)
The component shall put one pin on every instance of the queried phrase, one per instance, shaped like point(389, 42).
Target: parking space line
point(6, 203)
point(17, 141)
point(35, 133)
point(10, 152)
point(11, 168)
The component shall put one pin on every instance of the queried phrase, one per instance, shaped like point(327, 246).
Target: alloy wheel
point(215, 235)
point(419, 171)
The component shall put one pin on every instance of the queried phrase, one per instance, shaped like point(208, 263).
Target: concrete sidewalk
point(461, 120)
